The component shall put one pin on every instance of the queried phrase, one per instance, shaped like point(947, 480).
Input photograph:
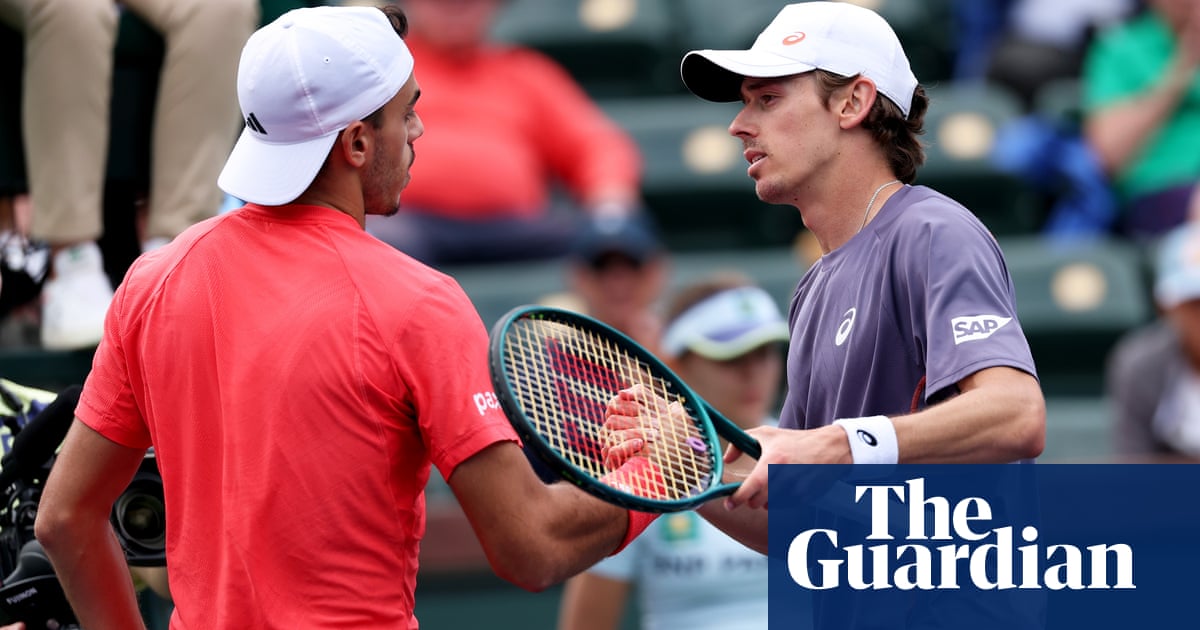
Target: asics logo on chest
point(843, 331)
point(976, 327)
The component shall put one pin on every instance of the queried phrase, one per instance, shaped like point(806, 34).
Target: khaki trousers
point(67, 94)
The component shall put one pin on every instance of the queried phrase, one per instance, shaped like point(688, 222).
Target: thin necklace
point(870, 203)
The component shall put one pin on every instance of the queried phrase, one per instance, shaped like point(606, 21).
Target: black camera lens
point(141, 519)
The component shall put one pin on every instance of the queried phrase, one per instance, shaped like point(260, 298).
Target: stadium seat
point(721, 24)
point(612, 47)
point(926, 29)
point(1075, 300)
point(1060, 100)
point(1078, 429)
point(694, 178)
point(961, 128)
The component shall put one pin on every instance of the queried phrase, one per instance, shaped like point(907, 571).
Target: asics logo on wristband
point(867, 438)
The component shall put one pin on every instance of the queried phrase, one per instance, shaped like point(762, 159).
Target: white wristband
point(872, 439)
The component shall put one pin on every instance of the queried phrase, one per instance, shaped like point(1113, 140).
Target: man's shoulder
point(925, 210)
point(157, 262)
point(393, 276)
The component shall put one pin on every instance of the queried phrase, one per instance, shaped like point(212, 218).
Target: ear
point(354, 143)
point(856, 102)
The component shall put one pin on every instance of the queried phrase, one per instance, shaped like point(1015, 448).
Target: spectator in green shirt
point(1142, 113)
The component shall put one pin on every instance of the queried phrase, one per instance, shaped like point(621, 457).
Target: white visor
point(726, 325)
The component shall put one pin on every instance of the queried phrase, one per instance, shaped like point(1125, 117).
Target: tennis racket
point(555, 373)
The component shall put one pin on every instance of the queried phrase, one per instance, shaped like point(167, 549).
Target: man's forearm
point(91, 568)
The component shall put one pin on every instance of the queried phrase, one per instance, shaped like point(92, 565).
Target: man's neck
point(839, 211)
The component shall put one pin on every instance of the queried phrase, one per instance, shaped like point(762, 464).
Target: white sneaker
point(76, 299)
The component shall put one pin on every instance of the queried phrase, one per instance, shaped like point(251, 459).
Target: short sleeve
point(108, 404)
point(969, 304)
point(443, 355)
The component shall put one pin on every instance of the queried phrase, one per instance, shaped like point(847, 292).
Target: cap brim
point(593, 256)
point(273, 174)
point(1172, 291)
point(739, 343)
point(716, 75)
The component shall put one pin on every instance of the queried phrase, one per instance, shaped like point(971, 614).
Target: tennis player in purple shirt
point(905, 343)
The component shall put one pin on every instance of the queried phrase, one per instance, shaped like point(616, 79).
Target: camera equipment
point(30, 591)
point(140, 519)
point(32, 594)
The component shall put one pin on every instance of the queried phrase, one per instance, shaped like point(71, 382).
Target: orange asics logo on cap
point(794, 38)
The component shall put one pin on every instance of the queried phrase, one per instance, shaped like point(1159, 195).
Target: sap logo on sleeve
point(485, 401)
point(976, 327)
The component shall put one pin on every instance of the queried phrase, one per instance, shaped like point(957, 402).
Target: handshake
point(653, 448)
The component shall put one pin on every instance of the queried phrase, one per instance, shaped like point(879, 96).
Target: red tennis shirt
point(297, 377)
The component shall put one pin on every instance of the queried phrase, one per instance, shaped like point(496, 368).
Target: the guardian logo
point(976, 327)
point(957, 547)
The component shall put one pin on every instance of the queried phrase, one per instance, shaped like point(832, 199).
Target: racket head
point(555, 371)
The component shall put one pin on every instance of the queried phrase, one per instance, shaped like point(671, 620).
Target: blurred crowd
point(1115, 160)
point(521, 161)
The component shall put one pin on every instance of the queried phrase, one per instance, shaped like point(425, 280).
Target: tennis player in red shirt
point(298, 377)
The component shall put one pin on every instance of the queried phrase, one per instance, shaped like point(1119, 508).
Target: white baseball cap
point(837, 37)
point(301, 80)
point(1177, 277)
point(726, 325)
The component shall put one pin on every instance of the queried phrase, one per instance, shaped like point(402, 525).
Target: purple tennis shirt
point(922, 294)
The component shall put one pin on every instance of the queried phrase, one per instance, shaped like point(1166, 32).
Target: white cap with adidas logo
point(301, 80)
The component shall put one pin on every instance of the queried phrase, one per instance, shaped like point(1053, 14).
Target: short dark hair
point(396, 16)
point(888, 125)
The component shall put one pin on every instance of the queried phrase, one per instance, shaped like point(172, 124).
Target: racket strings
point(564, 378)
